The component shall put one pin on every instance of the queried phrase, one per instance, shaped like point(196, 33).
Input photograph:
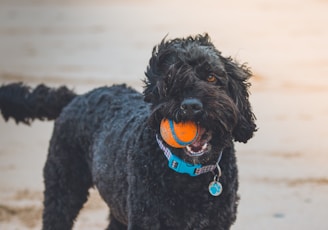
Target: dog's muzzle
point(191, 106)
point(190, 109)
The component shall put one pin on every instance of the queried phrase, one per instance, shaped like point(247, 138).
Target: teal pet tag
point(215, 188)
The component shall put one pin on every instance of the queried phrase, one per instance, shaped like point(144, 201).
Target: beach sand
point(85, 44)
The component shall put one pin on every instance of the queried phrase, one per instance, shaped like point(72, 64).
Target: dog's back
point(98, 122)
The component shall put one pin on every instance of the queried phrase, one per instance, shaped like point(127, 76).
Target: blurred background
point(87, 44)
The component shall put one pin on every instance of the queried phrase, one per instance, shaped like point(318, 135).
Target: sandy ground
point(85, 44)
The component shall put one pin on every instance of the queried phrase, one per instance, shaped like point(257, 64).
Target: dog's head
point(189, 80)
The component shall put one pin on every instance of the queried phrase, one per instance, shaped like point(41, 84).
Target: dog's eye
point(211, 79)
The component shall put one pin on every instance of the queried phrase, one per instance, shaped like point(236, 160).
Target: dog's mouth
point(200, 145)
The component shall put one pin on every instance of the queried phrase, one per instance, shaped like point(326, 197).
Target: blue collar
point(177, 164)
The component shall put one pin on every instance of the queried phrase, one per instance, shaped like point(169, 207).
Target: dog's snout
point(191, 106)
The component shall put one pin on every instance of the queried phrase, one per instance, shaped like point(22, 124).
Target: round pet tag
point(215, 188)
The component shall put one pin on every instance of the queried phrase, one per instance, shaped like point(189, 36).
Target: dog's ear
point(238, 85)
point(150, 90)
point(152, 73)
point(163, 55)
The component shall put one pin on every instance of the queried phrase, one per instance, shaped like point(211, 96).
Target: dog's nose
point(191, 106)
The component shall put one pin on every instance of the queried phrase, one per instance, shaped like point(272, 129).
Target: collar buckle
point(181, 166)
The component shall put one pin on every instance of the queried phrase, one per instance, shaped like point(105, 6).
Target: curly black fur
point(106, 138)
point(18, 101)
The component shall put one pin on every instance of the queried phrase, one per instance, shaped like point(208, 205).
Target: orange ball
point(178, 135)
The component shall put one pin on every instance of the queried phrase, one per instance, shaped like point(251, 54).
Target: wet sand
point(283, 169)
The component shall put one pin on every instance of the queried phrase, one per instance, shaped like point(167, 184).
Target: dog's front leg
point(142, 202)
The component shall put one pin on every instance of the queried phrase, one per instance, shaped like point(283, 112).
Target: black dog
point(109, 138)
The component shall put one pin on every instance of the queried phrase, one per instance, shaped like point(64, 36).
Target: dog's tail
point(24, 104)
